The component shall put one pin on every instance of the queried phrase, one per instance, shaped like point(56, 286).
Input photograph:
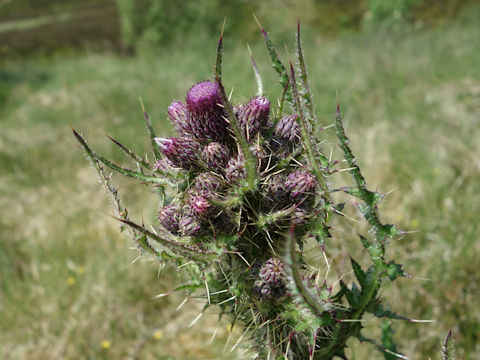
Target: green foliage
point(152, 23)
point(389, 13)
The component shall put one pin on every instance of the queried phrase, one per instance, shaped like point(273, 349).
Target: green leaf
point(394, 270)
point(343, 290)
point(178, 249)
point(126, 172)
point(376, 308)
point(348, 294)
point(359, 273)
point(307, 137)
point(370, 287)
point(387, 342)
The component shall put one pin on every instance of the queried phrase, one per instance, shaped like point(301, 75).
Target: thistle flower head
point(235, 170)
point(271, 279)
point(253, 116)
point(178, 114)
point(189, 224)
point(199, 204)
point(169, 217)
point(288, 129)
point(300, 184)
point(216, 156)
point(206, 116)
point(208, 182)
point(203, 97)
point(182, 152)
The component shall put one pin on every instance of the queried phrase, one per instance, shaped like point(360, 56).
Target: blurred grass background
point(408, 76)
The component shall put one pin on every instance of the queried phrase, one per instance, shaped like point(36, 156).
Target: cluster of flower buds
point(206, 148)
point(271, 280)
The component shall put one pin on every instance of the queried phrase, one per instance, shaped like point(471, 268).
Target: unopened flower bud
point(178, 114)
point(258, 151)
point(301, 185)
point(165, 165)
point(216, 156)
point(208, 182)
point(189, 225)
point(288, 129)
point(182, 152)
point(206, 114)
point(169, 217)
point(253, 116)
point(274, 191)
point(235, 169)
point(271, 279)
point(199, 205)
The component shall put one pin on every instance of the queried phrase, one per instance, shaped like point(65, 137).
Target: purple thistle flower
point(206, 115)
point(253, 116)
point(178, 114)
point(301, 184)
point(182, 152)
point(169, 217)
point(216, 156)
point(288, 129)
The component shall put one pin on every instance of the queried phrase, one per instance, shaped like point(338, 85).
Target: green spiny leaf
point(126, 172)
point(394, 270)
point(176, 247)
point(277, 64)
point(376, 308)
point(306, 136)
point(387, 342)
point(359, 273)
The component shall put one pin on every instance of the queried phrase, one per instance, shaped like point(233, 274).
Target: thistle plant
point(243, 188)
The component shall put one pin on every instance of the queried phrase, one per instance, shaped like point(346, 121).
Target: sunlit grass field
point(70, 288)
